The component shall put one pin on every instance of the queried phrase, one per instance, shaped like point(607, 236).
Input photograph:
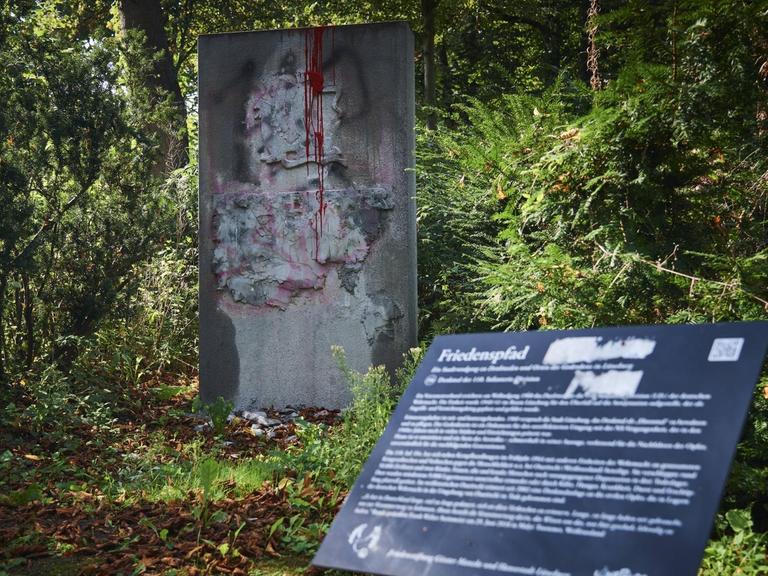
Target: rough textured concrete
point(307, 217)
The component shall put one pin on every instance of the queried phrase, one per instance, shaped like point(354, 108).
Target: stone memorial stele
point(598, 452)
point(307, 214)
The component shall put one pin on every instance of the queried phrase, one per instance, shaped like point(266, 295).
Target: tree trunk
point(584, 40)
point(29, 320)
point(3, 286)
point(148, 17)
point(595, 81)
point(445, 77)
point(18, 339)
point(759, 49)
point(554, 44)
point(428, 52)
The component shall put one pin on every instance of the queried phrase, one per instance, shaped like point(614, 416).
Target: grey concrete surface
point(307, 212)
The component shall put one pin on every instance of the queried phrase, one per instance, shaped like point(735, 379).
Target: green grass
point(176, 480)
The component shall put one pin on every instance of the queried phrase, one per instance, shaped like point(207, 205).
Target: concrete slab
point(307, 214)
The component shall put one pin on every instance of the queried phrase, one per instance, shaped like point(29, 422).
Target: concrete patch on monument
point(307, 222)
point(268, 250)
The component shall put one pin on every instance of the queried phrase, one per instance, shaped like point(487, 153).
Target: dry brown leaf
point(271, 551)
point(572, 134)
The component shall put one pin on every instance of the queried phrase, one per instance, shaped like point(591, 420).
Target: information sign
point(597, 452)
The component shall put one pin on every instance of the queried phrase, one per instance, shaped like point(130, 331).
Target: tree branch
point(536, 24)
point(732, 285)
point(50, 222)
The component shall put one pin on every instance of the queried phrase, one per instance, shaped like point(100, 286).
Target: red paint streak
point(314, 82)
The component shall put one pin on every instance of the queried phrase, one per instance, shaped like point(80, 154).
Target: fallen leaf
point(270, 550)
point(194, 551)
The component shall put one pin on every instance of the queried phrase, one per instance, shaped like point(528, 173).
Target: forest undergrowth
point(142, 485)
point(554, 191)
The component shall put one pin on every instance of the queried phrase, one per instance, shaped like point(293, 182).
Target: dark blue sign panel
point(593, 452)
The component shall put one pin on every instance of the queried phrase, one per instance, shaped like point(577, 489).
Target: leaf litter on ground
point(82, 502)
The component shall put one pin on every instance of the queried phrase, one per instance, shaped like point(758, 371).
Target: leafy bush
point(82, 208)
point(374, 397)
point(326, 463)
point(336, 457)
point(650, 206)
point(52, 401)
point(153, 326)
point(739, 550)
point(626, 215)
point(647, 205)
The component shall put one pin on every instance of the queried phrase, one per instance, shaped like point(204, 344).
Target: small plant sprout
point(218, 411)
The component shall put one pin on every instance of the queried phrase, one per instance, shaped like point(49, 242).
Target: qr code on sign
point(725, 349)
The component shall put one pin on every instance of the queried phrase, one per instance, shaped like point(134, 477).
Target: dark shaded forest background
point(578, 163)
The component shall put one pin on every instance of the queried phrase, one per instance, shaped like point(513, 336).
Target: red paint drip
point(314, 82)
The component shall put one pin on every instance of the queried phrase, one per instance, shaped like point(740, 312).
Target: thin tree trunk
point(584, 40)
point(445, 76)
point(595, 81)
point(18, 337)
point(428, 53)
point(555, 50)
point(148, 17)
point(3, 287)
point(759, 41)
point(29, 320)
